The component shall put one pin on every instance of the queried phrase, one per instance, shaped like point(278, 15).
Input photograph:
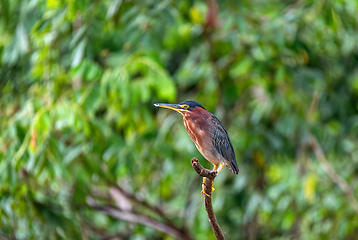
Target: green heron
point(206, 131)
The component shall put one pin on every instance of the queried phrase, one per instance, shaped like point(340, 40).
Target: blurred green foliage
point(78, 80)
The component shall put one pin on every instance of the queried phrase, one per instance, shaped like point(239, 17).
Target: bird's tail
point(233, 167)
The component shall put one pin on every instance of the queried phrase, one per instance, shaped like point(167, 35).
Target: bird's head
point(184, 107)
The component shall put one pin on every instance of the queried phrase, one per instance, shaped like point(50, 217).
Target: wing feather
point(223, 145)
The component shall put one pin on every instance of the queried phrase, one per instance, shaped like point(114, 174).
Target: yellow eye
point(184, 106)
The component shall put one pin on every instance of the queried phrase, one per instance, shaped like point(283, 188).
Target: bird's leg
point(218, 169)
point(202, 188)
point(215, 168)
point(220, 166)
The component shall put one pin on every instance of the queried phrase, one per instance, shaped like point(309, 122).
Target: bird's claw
point(203, 191)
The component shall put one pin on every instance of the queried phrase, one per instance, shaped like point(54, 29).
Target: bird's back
point(222, 143)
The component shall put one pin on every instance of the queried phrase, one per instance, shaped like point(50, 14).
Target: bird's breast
point(200, 132)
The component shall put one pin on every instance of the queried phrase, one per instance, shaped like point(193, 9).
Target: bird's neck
point(197, 119)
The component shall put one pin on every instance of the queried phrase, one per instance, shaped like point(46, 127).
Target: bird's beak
point(174, 107)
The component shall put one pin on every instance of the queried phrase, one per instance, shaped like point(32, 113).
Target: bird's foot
point(203, 191)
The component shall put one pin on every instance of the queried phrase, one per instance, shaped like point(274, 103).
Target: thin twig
point(209, 176)
point(313, 106)
point(115, 236)
point(337, 179)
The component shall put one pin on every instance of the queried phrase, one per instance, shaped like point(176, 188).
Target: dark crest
point(191, 104)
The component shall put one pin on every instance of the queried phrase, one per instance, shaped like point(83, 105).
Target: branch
point(5, 236)
point(209, 176)
point(337, 179)
point(125, 205)
point(327, 167)
point(140, 219)
point(156, 209)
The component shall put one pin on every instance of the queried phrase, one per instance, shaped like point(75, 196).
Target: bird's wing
point(223, 145)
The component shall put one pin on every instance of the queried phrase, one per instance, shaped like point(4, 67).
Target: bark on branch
point(209, 176)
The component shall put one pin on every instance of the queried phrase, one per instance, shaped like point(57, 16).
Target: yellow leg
point(221, 165)
point(216, 168)
point(202, 188)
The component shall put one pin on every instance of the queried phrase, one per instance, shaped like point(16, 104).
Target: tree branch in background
point(117, 191)
point(139, 219)
point(5, 236)
point(337, 179)
point(318, 152)
point(209, 176)
point(124, 209)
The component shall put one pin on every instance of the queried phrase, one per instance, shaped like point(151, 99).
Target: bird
point(207, 133)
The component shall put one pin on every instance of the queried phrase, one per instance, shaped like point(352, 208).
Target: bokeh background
point(84, 154)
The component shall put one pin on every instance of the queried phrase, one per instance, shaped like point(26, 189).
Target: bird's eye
point(185, 106)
